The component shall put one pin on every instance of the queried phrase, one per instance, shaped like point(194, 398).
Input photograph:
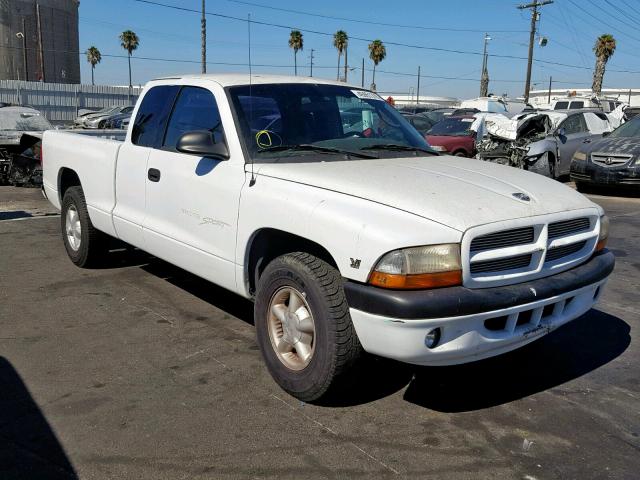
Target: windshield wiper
point(307, 147)
point(399, 148)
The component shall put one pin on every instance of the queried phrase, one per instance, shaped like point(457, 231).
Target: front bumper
point(474, 323)
point(588, 172)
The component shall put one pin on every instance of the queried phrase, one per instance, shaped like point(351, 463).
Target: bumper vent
point(505, 238)
point(568, 227)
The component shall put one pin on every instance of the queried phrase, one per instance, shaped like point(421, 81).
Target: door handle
point(153, 174)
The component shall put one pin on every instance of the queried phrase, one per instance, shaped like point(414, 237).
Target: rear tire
point(303, 325)
point(85, 245)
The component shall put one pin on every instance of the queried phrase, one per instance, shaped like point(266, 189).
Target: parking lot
point(144, 371)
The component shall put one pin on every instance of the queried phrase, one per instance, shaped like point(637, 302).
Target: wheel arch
point(67, 177)
point(266, 244)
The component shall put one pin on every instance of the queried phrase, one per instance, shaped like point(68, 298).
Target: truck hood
point(619, 145)
point(457, 192)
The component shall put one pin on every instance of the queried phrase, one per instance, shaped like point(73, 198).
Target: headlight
point(579, 156)
point(438, 148)
point(430, 266)
point(604, 233)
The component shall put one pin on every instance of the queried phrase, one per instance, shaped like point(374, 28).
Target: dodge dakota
point(349, 236)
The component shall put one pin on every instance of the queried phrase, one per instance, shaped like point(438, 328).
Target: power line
point(399, 44)
point(368, 22)
point(602, 21)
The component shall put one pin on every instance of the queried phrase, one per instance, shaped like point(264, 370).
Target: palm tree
point(129, 41)
point(377, 53)
point(604, 48)
point(93, 57)
point(340, 41)
point(295, 42)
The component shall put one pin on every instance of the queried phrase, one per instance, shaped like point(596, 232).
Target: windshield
point(629, 129)
point(277, 119)
point(23, 121)
point(452, 127)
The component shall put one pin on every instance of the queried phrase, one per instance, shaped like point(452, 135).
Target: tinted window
point(452, 127)
point(629, 129)
point(421, 124)
point(152, 116)
point(574, 124)
point(561, 106)
point(195, 109)
point(577, 105)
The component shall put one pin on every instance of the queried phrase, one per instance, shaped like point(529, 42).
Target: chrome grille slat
point(505, 238)
point(559, 252)
point(502, 264)
point(568, 227)
point(610, 160)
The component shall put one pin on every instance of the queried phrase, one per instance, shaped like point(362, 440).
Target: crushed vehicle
point(543, 141)
point(21, 131)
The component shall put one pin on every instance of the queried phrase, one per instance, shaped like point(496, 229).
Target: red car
point(453, 136)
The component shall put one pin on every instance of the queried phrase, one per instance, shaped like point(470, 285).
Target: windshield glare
point(454, 127)
point(274, 116)
point(629, 129)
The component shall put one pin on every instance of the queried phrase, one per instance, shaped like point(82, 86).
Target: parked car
point(118, 121)
point(543, 142)
point(590, 102)
point(438, 114)
point(346, 241)
point(99, 120)
point(492, 104)
point(420, 122)
point(610, 161)
point(453, 135)
point(83, 113)
point(415, 109)
point(20, 145)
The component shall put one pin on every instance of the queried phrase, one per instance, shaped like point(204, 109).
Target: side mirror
point(202, 143)
point(606, 134)
point(561, 132)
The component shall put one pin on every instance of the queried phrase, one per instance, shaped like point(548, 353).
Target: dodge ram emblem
point(521, 196)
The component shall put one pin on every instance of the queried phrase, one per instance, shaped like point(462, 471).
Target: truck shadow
point(29, 447)
point(571, 351)
point(568, 353)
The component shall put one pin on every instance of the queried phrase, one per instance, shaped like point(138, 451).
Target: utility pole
point(533, 6)
point(40, 50)
point(484, 78)
point(203, 34)
point(550, 83)
point(346, 63)
point(362, 72)
point(418, 89)
point(311, 61)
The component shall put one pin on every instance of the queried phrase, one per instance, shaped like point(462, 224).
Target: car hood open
point(456, 192)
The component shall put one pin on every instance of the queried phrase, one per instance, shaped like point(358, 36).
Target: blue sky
point(571, 27)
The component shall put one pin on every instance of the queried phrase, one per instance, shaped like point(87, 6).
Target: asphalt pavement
point(144, 371)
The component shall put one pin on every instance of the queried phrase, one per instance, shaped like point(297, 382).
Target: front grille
point(502, 264)
point(568, 227)
point(559, 252)
point(608, 160)
point(505, 238)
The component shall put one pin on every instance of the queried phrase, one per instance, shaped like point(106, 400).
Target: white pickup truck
point(322, 204)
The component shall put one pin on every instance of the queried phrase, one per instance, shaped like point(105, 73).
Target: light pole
point(22, 36)
point(484, 78)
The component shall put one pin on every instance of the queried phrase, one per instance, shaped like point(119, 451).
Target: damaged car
point(543, 142)
point(21, 130)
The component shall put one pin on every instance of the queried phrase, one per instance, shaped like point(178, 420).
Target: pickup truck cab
point(349, 239)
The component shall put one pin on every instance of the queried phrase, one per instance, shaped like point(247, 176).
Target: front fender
point(349, 228)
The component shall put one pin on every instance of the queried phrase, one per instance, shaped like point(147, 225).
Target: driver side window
point(574, 124)
point(195, 109)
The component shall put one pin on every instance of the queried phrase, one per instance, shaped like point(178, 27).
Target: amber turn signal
point(416, 281)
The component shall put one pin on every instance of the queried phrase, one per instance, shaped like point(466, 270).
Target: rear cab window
point(153, 113)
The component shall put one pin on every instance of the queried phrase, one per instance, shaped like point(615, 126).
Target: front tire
point(84, 244)
point(303, 325)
